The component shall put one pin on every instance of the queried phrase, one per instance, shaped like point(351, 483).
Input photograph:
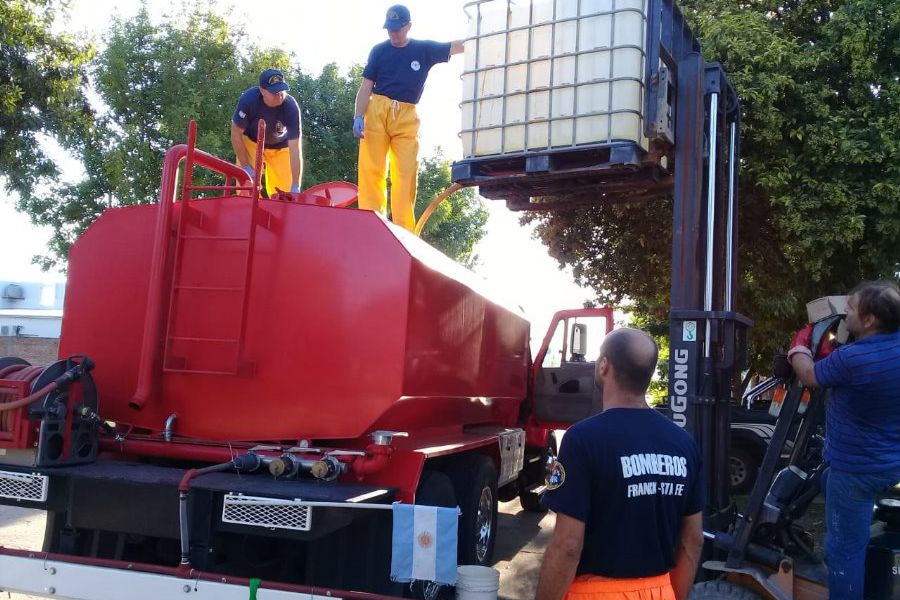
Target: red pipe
point(177, 450)
point(375, 460)
point(157, 273)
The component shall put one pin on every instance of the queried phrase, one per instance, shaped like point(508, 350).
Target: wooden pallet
point(547, 179)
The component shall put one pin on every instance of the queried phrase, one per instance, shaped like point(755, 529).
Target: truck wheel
point(435, 489)
point(721, 590)
point(531, 501)
point(744, 467)
point(475, 480)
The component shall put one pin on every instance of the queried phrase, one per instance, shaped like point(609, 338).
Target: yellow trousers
point(277, 166)
point(391, 131)
point(592, 587)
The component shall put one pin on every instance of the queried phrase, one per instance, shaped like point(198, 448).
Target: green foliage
point(458, 222)
point(330, 150)
point(820, 171)
point(41, 76)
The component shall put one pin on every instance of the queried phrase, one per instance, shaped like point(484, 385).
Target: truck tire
point(475, 481)
point(744, 467)
point(435, 489)
point(531, 501)
point(721, 590)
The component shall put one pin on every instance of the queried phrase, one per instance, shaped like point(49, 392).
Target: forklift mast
point(707, 338)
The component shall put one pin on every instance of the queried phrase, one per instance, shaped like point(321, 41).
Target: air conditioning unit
point(5, 330)
point(13, 292)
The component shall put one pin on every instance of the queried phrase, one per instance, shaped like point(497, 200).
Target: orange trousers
point(592, 587)
point(391, 131)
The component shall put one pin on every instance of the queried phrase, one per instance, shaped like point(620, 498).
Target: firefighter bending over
point(282, 156)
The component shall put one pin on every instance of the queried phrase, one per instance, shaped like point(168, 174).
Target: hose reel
point(48, 415)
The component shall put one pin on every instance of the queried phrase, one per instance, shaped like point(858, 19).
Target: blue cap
point(397, 16)
point(273, 81)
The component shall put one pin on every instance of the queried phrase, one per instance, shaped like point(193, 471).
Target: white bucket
point(477, 583)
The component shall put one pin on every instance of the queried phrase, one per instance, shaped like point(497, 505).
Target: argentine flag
point(424, 544)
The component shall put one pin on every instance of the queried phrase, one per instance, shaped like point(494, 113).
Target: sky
point(343, 31)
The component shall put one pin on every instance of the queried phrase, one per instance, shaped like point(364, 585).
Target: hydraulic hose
point(245, 462)
point(420, 225)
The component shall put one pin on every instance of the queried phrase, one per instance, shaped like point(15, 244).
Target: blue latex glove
point(358, 126)
point(295, 189)
point(250, 172)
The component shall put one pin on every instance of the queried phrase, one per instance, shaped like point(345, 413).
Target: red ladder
point(208, 303)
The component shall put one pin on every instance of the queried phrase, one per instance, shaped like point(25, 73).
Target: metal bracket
point(664, 124)
point(779, 584)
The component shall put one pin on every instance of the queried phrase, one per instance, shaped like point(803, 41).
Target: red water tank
point(328, 324)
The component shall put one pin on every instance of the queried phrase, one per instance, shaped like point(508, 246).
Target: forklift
point(692, 120)
point(766, 552)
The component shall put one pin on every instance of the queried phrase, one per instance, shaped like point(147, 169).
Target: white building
point(31, 309)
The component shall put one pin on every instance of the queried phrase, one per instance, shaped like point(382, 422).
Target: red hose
point(20, 373)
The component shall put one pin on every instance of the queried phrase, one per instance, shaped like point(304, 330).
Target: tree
point(820, 172)
point(41, 89)
point(458, 222)
point(325, 103)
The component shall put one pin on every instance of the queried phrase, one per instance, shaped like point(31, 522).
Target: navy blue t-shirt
point(400, 73)
point(631, 476)
point(862, 417)
point(282, 122)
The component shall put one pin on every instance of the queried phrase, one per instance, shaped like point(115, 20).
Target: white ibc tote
point(552, 74)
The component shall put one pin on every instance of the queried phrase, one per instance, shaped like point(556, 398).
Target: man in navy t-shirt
point(282, 155)
point(627, 491)
point(385, 116)
point(862, 425)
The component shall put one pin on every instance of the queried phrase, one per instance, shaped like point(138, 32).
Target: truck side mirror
point(578, 343)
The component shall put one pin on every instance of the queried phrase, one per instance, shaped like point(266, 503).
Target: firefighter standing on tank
point(385, 118)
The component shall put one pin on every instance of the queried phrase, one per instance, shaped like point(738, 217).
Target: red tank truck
point(244, 383)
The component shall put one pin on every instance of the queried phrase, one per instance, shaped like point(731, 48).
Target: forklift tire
point(475, 480)
point(721, 590)
point(744, 467)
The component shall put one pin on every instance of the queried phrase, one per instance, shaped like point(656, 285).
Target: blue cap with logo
point(273, 81)
point(397, 16)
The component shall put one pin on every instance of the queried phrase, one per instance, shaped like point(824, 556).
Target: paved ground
point(21, 528)
point(520, 545)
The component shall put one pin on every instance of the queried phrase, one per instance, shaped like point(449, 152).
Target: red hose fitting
point(376, 459)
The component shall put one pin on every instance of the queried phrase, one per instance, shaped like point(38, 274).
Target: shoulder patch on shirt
point(557, 476)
